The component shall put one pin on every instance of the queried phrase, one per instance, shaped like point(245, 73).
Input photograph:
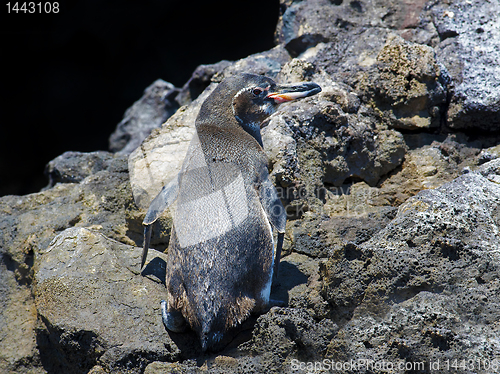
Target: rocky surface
point(391, 255)
point(165, 146)
point(428, 287)
point(469, 50)
point(96, 328)
point(155, 106)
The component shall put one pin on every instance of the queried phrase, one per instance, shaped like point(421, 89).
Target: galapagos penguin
point(221, 255)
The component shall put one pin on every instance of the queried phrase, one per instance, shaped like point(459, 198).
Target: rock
point(296, 274)
point(402, 81)
point(406, 84)
point(102, 200)
point(302, 24)
point(431, 161)
point(199, 81)
point(436, 262)
point(489, 154)
point(355, 229)
point(344, 38)
point(155, 106)
point(341, 145)
point(160, 156)
point(415, 333)
point(158, 367)
point(283, 333)
point(18, 345)
point(299, 286)
point(93, 302)
point(469, 50)
point(74, 167)
point(267, 63)
point(98, 369)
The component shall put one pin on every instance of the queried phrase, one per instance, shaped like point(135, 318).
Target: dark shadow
point(415, 140)
point(289, 277)
point(188, 343)
point(190, 347)
point(74, 352)
point(156, 269)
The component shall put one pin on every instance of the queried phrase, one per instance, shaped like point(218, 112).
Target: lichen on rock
point(406, 85)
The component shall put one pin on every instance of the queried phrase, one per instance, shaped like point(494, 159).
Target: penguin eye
point(257, 91)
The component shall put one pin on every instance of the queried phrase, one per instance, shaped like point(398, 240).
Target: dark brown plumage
point(221, 252)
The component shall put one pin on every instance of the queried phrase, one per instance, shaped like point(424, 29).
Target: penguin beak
point(282, 94)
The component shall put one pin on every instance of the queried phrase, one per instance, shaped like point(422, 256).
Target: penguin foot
point(173, 320)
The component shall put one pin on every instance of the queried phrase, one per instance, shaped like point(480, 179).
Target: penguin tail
point(147, 242)
point(204, 343)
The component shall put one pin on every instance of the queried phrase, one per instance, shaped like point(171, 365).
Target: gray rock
point(160, 156)
point(344, 38)
point(149, 112)
point(305, 24)
point(74, 167)
point(402, 81)
point(159, 367)
point(283, 333)
point(469, 50)
point(431, 161)
point(341, 145)
point(267, 63)
point(102, 200)
point(434, 264)
point(199, 81)
point(406, 84)
point(96, 307)
point(18, 318)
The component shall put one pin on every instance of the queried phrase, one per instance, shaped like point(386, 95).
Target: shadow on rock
point(156, 268)
point(189, 344)
point(289, 277)
point(58, 356)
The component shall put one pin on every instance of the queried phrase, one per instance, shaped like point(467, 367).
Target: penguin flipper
point(162, 201)
point(275, 212)
point(271, 203)
point(277, 256)
point(146, 241)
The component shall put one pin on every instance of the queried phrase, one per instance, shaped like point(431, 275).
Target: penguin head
point(246, 100)
point(259, 97)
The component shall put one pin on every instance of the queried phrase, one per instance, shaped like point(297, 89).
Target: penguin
point(221, 257)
